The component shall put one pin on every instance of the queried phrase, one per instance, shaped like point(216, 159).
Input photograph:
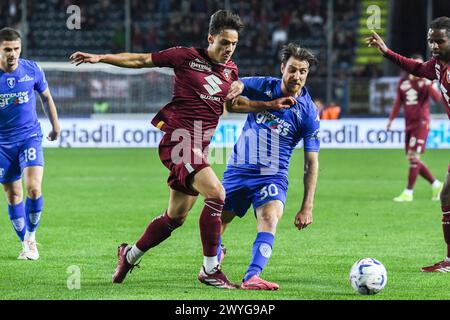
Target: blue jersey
point(268, 138)
point(18, 118)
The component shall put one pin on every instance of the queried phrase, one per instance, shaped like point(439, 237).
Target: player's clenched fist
point(82, 57)
point(303, 219)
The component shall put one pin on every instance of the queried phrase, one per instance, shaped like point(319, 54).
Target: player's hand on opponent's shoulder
point(375, 41)
point(303, 219)
point(282, 103)
point(55, 133)
point(78, 58)
point(236, 88)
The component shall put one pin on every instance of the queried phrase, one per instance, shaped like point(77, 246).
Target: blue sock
point(219, 250)
point(262, 249)
point(17, 216)
point(33, 208)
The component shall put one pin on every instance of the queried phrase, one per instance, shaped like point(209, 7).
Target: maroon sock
point(157, 231)
point(425, 172)
point(446, 226)
point(210, 224)
point(414, 168)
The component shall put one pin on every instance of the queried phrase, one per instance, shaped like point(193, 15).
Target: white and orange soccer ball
point(368, 276)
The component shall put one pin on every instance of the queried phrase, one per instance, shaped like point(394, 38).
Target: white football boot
point(22, 255)
point(30, 249)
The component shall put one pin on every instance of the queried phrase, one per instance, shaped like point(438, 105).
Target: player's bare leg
point(444, 265)
point(209, 186)
point(159, 229)
point(267, 217)
point(16, 210)
point(226, 218)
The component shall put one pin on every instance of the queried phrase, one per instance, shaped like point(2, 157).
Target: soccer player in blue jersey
point(257, 171)
point(21, 138)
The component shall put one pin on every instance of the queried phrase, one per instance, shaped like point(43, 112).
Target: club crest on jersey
point(448, 76)
point(227, 73)
point(11, 82)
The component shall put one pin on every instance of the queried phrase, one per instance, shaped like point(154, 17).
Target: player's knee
point(216, 192)
point(268, 220)
point(14, 197)
point(33, 192)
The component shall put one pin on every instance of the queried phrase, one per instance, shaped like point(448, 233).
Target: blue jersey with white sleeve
point(18, 118)
point(269, 137)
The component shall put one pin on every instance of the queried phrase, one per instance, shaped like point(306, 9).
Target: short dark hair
point(441, 23)
point(9, 34)
point(224, 19)
point(296, 51)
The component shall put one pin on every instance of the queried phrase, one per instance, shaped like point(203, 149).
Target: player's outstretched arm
point(304, 216)
point(244, 105)
point(52, 114)
point(423, 70)
point(125, 59)
point(375, 41)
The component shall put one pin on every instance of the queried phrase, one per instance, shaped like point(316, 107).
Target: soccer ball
point(368, 276)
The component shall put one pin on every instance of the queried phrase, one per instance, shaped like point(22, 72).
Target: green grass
point(96, 199)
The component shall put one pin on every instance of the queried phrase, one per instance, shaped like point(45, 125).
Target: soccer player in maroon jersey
point(434, 69)
point(202, 80)
point(413, 93)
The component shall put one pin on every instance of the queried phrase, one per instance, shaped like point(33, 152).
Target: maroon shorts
point(449, 168)
point(183, 161)
point(416, 138)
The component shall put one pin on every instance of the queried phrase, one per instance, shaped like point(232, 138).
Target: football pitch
point(97, 198)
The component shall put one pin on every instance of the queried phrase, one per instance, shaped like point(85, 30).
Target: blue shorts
point(243, 190)
point(15, 157)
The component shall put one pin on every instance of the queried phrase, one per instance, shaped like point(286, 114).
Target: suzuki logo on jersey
point(273, 122)
point(11, 82)
point(411, 97)
point(213, 84)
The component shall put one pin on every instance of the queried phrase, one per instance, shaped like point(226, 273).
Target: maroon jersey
point(199, 89)
point(414, 96)
point(431, 69)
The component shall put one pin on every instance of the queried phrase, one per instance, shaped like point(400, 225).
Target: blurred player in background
point(202, 80)
point(263, 183)
point(21, 138)
point(414, 94)
point(434, 69)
